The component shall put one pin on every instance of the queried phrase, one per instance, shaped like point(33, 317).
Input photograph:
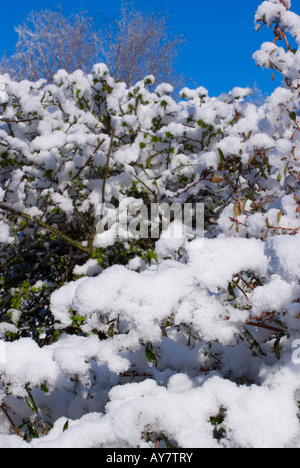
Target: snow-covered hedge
point(187, 342)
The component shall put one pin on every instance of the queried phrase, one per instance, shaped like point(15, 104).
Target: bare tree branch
point(133, 45)
point(137, 44)
point(48, 42)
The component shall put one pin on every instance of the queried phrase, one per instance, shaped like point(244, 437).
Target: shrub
point(117, 339)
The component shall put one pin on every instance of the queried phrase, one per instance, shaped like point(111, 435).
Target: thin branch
point(180, 192)
point(9, 121)
point(106, 172)
point(11, 422)
point(106, 169)
point(52, 229)
point(263, 325)
point(284, 4)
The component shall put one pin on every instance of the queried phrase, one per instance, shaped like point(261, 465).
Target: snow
point(269, 10)
point(164, 88)
point(188, 331)
point(274, 295)
point(171, 240)
point(90, 268)
point(26, 361)
point(219, 259)
point(286, 249)
point(61, 303)
point(251, 412)
point(5, 238)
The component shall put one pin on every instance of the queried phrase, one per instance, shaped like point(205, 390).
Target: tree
point(172, 342)
point(48, 42)
point(137, 44)
point(132, 45)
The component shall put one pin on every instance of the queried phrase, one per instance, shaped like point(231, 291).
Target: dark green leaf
point(150, 354)
point(155, 139)
point(277, 347)
point(30, 401)
point(169, 445)
point(33, 433)
point(231, 290)
point(221, 155)
point(148, 163)
point(66, 426)
point(111, 330)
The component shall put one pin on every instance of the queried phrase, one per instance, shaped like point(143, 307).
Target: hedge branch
point(106, 172)
point(48, 227)
point(11, 421)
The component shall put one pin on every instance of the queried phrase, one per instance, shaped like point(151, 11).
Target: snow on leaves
point(183, 342)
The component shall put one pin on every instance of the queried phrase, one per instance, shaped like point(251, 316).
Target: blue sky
point(220, 35)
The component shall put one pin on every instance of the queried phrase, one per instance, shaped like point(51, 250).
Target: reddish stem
point(11, 421)
point(284, 4)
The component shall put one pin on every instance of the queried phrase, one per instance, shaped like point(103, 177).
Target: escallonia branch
point(48, 227)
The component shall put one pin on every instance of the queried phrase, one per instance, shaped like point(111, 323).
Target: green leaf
point(77, 320)
point(231, 290)
point(148, 163)
point(56, 336)
point(237, 210)
point(48, 174)
point(169, 445)
point(111, 330)
point(66, 426)
point(277, 347)
point(221, 155)
point(293, 116)
point(218, 418)
point(142, 145)
point(155, 139)
point(44, 389)
point(33, 433)
point(150, 354)
point(30, 402)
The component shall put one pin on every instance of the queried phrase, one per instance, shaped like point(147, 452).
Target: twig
point(262, 325)
point(145, 185)
point(9, 121)
point(11, 422)
point(282, 228)
point(52, 229)
point(82, 218)
point(89, 159)
point(242, 291)
point(180, 192)
point(237, 221)
point(284, 4)
point(106, 169)
point(105, 174)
